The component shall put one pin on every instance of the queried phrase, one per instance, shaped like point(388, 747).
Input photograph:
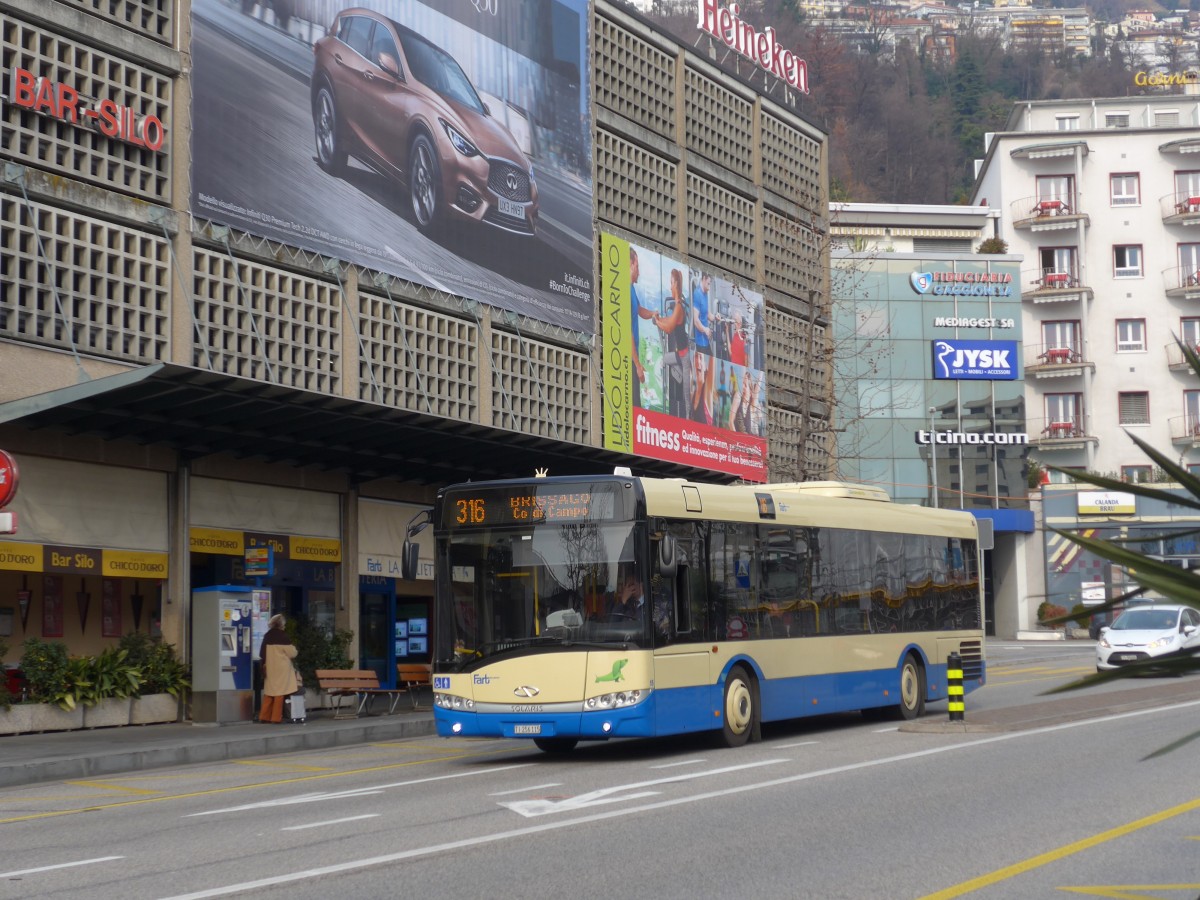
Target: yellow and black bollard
point(954, 687)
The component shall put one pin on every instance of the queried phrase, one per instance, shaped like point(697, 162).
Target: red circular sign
point(9, 477)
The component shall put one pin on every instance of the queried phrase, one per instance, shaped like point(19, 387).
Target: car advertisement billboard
point(974, 360)
point(682, 363)
point(444, 142)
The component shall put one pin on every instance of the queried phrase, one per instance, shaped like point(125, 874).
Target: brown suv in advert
point(393, 100)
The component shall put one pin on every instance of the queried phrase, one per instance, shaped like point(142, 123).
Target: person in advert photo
point(673, 323)
point(702, 333)
point(637, 313)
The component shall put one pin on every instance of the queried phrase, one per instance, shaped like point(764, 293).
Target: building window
point(1124, 189)
point(1191, 412)
point(1067, 123)
point(1166, 118)
point(1062, 477)
point(1133, 408)
point(1193, 468)
point(1064, 415)
point(1189, 265)
point(1131, 335)
point(1127, 261)
point(1055, 193)
point(1135, 474)
point(1116, 120)
point(1189, 331)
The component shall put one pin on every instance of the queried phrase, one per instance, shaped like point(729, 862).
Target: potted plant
point(318, 648)
point(108, 682)
point(13, 718)
point(164, 682)
point(54, 685)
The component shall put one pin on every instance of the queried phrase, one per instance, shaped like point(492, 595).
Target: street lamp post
point(933, 455)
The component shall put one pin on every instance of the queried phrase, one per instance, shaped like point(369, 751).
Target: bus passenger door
point(681, 676)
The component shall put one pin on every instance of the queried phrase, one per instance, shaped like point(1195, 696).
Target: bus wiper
point(493, 647)
point(496, 647)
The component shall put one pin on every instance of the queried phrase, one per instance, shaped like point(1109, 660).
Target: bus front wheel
point(555, 745)
point(740, 712)
point(912, 689)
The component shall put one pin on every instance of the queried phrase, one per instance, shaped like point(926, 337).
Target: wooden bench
point(361, 684)
point(412, 677)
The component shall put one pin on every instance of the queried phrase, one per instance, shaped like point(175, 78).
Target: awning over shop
point(201, 413)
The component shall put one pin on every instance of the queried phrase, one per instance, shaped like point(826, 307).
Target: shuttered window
point(1133, 407)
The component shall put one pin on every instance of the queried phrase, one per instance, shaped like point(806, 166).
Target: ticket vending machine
point(222, 654)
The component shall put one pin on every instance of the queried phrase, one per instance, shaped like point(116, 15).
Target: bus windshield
point(548, 585)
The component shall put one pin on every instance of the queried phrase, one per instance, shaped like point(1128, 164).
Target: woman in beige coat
point(279, 675)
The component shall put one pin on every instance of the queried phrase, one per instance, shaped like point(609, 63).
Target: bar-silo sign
point(955, 360)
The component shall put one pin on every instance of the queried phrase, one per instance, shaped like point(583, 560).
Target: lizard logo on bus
point(615, 674)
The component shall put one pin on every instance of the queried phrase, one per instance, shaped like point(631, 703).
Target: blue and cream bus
point(607, 606)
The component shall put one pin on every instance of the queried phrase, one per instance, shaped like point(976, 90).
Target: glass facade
point(927, 360)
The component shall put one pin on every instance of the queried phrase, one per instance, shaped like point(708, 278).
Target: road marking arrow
point(533, 808)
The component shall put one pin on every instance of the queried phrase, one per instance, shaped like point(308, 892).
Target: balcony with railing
point(1067, 433)
point(1185, 430)
point(1180, 208)
point(1176, 361)
point(1056, 360)
point(1048, 213)
point(1053, 285)
point(1182, 282)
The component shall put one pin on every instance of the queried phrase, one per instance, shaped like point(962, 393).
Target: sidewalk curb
point(200, 744)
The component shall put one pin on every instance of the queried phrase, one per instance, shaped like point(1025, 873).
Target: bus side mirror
point(409, 556)
point(411, 550)
point(668, 556)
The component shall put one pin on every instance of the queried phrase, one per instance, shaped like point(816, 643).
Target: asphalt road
point(835, 807)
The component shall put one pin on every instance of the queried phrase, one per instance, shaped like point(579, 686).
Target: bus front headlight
point(453, 701)
point(615, 700)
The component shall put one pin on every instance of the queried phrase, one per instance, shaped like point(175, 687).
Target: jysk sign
point(956, 360)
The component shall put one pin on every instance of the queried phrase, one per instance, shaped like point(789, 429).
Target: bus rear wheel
point(740, 711)
point(912, 689)
point(555, 745)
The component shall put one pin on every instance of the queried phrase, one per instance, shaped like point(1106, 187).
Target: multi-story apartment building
point(220, 330)
point(1097, 196)
point(1101, 198)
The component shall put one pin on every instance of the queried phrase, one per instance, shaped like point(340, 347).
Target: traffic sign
point(10, 476)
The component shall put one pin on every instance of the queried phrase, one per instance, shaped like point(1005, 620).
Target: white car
point(1144, 632)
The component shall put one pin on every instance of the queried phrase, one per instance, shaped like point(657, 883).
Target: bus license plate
point(527, 729)
point(511, 208)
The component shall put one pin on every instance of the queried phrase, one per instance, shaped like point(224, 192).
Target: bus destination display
point(527, 506)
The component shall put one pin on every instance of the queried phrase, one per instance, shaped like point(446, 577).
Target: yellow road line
point(1044, 859)
point(294, 767)
point(1036, 680)
point(106, 786)
point(1120, 891)
point(24, 800)
point(244, 787)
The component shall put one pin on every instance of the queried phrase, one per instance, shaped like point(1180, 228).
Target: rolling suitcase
point(293, 707)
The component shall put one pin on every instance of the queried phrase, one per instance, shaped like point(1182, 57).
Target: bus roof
point(832, 504)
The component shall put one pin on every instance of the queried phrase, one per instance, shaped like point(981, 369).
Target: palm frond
point(1179, 585)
